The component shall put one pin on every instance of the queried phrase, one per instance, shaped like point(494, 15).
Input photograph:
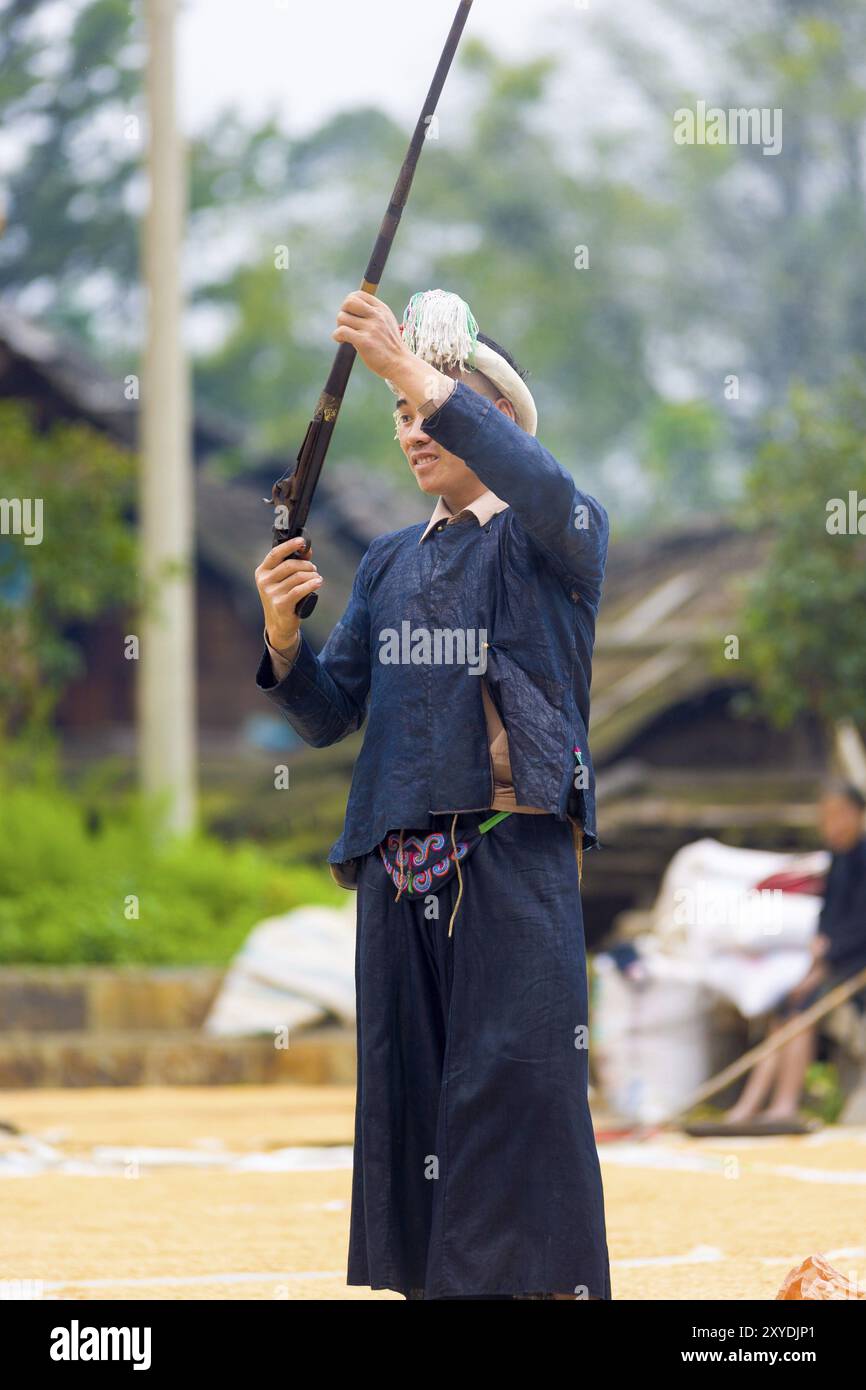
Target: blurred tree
point(67, 101)
point(633, 276)
point(763, 275)
point(74, 104)
point(67, 553)
point(504, 233)
point(802, 626)
point(681, 452)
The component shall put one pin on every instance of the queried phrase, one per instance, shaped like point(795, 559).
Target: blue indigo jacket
point(529, 587)
point(843, 914)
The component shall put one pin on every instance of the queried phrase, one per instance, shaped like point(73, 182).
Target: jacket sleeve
point(280, 665)
point(568, 525)
point(324, 697)
point(846, 929)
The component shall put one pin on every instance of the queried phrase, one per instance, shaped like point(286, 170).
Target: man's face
point(841, 822)
point(436, 471)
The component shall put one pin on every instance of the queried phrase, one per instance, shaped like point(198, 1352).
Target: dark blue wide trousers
point(476, 1172)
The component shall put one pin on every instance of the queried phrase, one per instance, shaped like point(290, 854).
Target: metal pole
point(166, 688)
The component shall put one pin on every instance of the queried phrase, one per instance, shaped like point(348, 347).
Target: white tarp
point(709, 900)
point(712, 925)
point(650, 1042)
point(291, 972)
point(712, 935)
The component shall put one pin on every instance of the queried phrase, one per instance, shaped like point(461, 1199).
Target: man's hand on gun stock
point(370, 326)
point(282, 581)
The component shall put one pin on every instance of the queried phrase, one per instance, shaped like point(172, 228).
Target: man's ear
point(504, 404)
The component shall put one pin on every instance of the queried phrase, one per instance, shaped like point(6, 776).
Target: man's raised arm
point(569, 525)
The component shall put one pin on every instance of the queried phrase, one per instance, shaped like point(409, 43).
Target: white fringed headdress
point(440, 328)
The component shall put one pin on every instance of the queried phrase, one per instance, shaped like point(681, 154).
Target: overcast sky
point(302, 60)
point(305, 57)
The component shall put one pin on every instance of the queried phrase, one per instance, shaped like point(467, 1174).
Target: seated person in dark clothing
point(838, 952)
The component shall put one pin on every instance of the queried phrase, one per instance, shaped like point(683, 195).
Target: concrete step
point(174, 1057)
point(105, 997)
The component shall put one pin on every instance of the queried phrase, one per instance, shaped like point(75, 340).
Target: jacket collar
point(484, 507)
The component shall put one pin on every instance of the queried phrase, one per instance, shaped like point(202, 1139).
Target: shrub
point(67, 881)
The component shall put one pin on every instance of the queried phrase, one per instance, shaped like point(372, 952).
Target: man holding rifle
point(476, 1171)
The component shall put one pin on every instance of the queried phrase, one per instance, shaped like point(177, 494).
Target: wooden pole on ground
point(823, 1006)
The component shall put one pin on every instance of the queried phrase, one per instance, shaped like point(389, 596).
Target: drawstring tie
point(577, 831)
point(459, 875)
point(403, 875)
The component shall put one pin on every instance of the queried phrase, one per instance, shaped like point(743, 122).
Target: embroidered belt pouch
point(427, 859)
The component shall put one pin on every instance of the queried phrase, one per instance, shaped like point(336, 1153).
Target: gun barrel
point(315, 447)
point(403, 186)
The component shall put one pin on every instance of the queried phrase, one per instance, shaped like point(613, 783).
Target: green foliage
point(824, 1096)
point(683, 441)
point(83, 565)
point(704, 261)
point(79, 140)
point(761, 271)
point(66, 877)
point(68, 204)
point(803, 619)
point(503, 234)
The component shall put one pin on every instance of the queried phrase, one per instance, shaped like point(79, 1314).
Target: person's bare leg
point(757, 1086)
point(795, 1058)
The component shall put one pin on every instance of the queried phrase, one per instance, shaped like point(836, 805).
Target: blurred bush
point(73, 878)
point(78, 565)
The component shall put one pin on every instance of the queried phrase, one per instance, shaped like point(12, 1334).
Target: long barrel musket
point(292, 494)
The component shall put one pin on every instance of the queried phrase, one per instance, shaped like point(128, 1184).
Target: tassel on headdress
point(440, 328)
